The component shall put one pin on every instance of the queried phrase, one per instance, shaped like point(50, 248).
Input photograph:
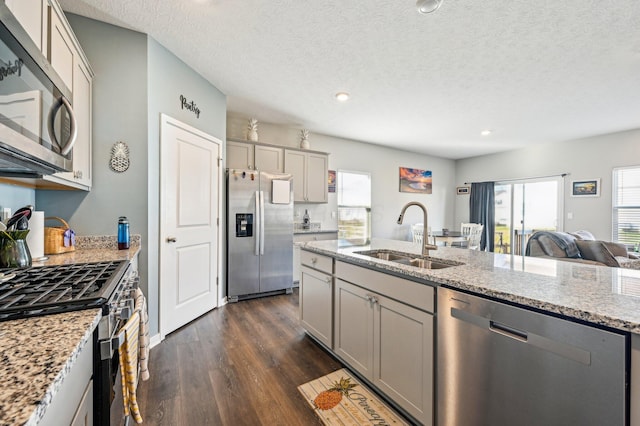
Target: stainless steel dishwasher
point(499, 364)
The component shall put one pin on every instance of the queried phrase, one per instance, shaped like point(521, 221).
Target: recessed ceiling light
point(485, 132)
point(428, 6)
point(342, 96)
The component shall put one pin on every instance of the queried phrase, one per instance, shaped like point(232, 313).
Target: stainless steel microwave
point(37, 124)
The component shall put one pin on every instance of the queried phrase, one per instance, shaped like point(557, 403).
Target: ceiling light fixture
point(485, 132)
point(428, 6)
point(342, 96)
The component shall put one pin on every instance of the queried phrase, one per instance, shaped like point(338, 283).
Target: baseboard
point(155, 340)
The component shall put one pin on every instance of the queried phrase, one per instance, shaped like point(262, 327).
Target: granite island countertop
point(597, 294)
point(38, 353)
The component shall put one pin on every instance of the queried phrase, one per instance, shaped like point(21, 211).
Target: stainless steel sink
point(424, 262)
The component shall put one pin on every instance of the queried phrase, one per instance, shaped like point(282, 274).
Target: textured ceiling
point(532, 71)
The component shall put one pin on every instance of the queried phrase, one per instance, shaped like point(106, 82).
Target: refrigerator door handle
point(257, 222)
point(261, 223)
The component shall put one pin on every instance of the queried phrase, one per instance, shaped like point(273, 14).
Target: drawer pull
point(328, 279)
point(314, 260)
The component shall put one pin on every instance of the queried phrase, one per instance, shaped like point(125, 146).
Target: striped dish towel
point(129, 366)
point(141, 307)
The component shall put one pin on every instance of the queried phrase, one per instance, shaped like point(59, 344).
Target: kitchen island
point(43, 356)
point(592, 295)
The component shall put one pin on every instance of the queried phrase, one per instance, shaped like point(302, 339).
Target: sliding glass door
point(523, 207)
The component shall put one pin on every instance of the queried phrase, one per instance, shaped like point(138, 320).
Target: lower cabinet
point(389, 342)
point(316, 296)
point(303, 237)
point(73, 402)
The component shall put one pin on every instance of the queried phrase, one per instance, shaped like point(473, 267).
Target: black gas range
point(109, 286)
point(35, 291)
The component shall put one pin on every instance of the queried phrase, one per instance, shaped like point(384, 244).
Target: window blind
point(626, 205)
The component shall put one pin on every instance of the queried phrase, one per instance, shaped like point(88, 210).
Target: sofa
point(582, 247)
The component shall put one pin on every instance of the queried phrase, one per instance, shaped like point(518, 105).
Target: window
point(524, 206)
point(626, 205)
point(354, 206)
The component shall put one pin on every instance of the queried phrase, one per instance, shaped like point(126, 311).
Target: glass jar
point(14, 251)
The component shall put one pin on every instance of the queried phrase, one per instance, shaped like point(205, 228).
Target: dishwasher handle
point(507, 331)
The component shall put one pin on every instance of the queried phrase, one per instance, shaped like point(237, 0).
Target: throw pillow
point(596, 250)
point(583, 235)
point(616, 249)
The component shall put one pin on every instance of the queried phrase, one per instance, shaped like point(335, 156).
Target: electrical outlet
point(569, 215)
point(333, 215)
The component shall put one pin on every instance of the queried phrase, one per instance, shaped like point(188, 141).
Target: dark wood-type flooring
point(237, 365)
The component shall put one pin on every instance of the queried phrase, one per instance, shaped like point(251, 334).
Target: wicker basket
point(54, 237)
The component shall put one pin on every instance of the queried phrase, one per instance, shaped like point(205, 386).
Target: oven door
point(108, 400)
point(37, 124)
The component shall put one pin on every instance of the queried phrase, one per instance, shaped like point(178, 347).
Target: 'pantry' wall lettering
point(191, 106)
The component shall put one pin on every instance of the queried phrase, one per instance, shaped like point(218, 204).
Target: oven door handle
point(109, 346)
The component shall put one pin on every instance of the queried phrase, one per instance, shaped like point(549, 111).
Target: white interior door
point(190, 206)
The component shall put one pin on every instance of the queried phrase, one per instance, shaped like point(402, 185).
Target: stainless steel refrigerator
point(259, 233)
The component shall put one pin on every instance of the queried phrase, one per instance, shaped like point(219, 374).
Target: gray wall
point(593, 157)
point(136, 80)
point(16, 196)
point(169, 78)
point(118, 58)
point(383, 164)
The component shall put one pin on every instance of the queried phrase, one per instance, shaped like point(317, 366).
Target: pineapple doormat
point(339, 399)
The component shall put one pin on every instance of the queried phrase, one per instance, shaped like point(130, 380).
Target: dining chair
point(474, 237)
point(473, 233)
point(417, 231)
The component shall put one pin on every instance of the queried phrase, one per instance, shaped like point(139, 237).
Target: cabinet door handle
point(171, 240)
point(328, 279)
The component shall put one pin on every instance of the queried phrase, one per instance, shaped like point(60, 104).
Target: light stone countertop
point(596, 294)
point(37, 353)
point(315, 231)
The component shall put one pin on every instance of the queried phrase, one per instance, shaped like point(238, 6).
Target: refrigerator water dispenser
point(244, 224)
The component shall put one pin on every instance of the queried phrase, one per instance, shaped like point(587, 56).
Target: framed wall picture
point(463, 190)
point(415, 180)
point(331, 181)
point(585, 188)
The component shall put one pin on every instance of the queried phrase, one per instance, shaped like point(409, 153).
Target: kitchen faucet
point(425, 240)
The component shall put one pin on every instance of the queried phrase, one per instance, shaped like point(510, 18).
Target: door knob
point(171, 239)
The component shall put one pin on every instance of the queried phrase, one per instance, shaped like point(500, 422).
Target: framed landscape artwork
point(332, 181)
point(585, 188)
point(415, 180)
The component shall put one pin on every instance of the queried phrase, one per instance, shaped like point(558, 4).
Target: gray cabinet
point(69, 61)
point(246, 155)
point(316, 295)
point(369, 310)
point(310, 173)
point(32, 15)
point(298, 238)
point(73, 402)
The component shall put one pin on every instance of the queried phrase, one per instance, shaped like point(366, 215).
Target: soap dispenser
point(306, 222)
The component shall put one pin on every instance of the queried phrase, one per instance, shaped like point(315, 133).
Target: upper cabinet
point(67, 58)
point(310, 171)
point(33, 16)
point(62, 52)
point(246, 155)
